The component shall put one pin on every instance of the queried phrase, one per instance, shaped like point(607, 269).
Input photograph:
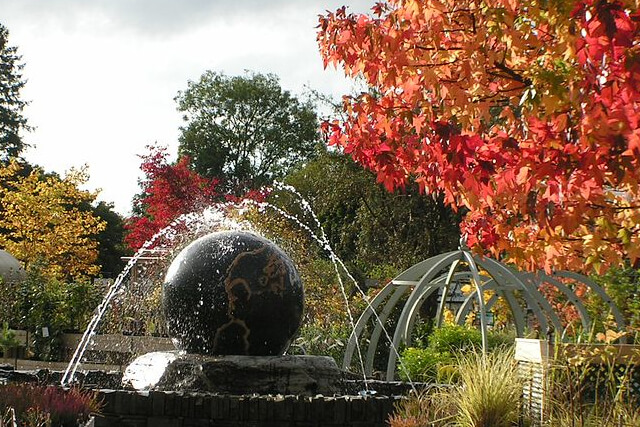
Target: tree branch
point(511, 74)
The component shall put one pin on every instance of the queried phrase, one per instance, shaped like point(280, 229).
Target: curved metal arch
point(445, 292)
point(363, 320)
point(617, 314)
point(528, 290)
point(443, 282)
point(488, 284)
point(465, 308)
point(409, 307)
point(537, 279)
point(439, 283)
point(424, 286)
point(410, 277)
point(377, 332)
point(518, 314)
point(426, 277)
point(473, 267)
point(417, 271)
point(532, 302)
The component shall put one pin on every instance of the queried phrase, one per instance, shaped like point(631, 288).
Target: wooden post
point(532, 356)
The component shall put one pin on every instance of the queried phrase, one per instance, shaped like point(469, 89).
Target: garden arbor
point(490, 281)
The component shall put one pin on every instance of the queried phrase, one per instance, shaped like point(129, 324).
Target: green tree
point(245, 130)
point(111, 246)
point(622, 284)
point(368, 226)
point(59, 306)
point(11, 82)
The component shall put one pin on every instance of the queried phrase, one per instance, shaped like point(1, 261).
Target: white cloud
point(102, 74)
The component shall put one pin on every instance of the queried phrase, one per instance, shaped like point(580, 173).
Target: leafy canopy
point(367, 226)
point(524, 112)
point(245, 130)
point(45, 220)
point(111, 246)
point(169, 190)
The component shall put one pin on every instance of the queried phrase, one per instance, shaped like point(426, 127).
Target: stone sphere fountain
point(233, 293)
point(233, 302)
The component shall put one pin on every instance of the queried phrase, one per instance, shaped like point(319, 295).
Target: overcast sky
point(102, 74)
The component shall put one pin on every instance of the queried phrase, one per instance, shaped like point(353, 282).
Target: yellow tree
point(46, 219)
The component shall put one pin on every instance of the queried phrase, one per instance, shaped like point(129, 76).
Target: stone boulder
point(301, 375)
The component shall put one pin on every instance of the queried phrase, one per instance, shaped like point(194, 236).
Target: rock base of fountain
point(300, 375)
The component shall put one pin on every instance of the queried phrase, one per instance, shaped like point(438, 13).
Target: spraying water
point(324, 242)
point(210, 219)
point(217, 218)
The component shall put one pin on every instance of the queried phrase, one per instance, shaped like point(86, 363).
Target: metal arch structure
point(558, 278)
point(441, 274)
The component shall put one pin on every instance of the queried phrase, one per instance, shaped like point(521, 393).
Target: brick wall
point(176, 409)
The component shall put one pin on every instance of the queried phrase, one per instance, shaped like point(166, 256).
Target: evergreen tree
point(11, 83)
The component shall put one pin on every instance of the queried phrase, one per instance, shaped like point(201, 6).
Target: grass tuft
point(490, 390)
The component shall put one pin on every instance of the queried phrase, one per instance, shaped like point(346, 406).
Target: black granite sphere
point(233, 293)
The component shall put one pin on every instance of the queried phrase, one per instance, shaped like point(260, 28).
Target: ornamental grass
point(490, 390)
point(487, 394)
point(29, 405)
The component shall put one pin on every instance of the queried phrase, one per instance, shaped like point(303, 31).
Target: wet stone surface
point(233, 293)
point(301, 375)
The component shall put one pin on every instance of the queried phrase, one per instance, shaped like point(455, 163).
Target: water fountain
point(233, 303)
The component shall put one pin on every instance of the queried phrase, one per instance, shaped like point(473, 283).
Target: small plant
point(489, 391)
point(455, 338)
point(7, 340)
point(326, 340)
point(486, 394)
point(432, 408)
point(422, 364)
point(436, 361)
point(35, 405)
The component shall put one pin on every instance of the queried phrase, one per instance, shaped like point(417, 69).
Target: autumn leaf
point(44, 221)
point(169, 190)
point(533, 127)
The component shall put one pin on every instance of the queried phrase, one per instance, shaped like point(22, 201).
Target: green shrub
point(455, 338)
point(322, 340)
point(422, 364)
point(56, 305)
point(7, 339)
point(436, 361)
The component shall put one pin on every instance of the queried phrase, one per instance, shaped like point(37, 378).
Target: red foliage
point(63, 408)
point(527, 114)
point(170, 190)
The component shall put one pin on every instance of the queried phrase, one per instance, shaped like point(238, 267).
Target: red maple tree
point(524, 112)
point(169, 190)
